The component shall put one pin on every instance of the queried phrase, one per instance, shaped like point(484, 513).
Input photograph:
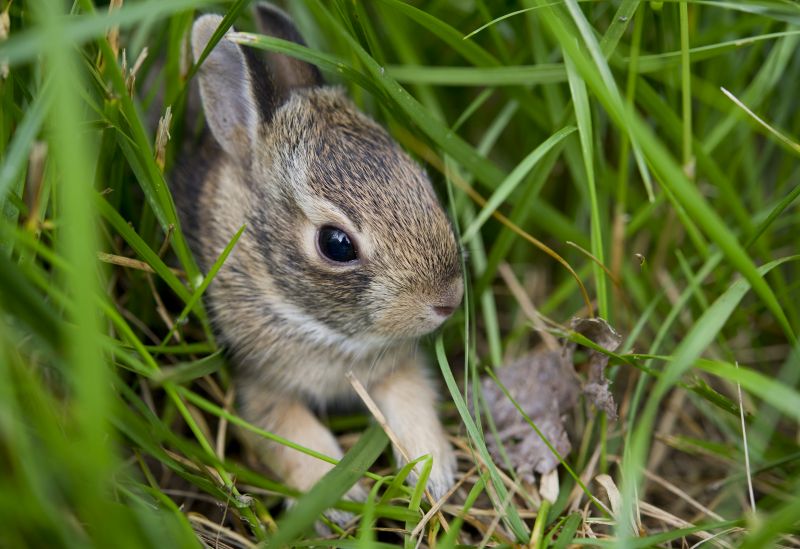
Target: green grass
point(647, 151)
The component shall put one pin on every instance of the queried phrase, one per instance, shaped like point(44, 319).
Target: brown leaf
point(545, 386)
point(544, 389)
point(596, 388)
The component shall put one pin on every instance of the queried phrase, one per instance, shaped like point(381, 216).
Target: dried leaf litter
point(546, 387)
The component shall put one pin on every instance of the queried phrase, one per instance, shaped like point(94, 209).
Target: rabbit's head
point(345, 236)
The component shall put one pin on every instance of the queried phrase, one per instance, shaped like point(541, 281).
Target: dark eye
point(335, 244)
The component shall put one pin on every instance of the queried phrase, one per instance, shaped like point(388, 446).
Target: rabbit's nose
point(450, 300)
point(444, 310)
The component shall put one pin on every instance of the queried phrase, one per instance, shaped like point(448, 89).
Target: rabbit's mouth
point(416, 314)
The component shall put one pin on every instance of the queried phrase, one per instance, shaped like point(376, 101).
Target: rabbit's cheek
point(407, 317)
point(416, 310)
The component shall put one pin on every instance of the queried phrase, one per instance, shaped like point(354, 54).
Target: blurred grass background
point(651, 145)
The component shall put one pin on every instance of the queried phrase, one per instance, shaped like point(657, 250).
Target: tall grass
point(634, 160)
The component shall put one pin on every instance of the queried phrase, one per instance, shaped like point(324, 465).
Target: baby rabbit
point(347, 257)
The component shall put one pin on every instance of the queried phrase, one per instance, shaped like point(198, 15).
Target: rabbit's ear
point(227, 89)
point(287, 72)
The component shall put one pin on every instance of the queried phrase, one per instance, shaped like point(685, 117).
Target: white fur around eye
point(309, 235)
point(320, 213)
point(308, 240)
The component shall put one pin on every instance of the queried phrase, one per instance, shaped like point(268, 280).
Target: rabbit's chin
point(402, 331)
point(407, 322)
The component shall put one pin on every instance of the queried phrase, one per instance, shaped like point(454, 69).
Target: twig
point(160, 308)
point(439, 504)
point(496, 520)
point(381, 419)
point(132, 263)
point(683, 495)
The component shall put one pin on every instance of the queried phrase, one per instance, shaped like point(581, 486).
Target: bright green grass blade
point(607, 78)
point(24, 46)
point(522, 212)
point(660, 538)
point(498, 19)
point(659, 62)
point(147, 432)
point(16, 155)
point(21, 301)
point(686, 86)
point(667, 324)
point(567, 533)
point(784, 398)
point(230, 16)
point(702, 333)
point(331, 488)
point(416, 498)
point(477, 258)
point(706, 328)
point(139, 152)
point(449, 541)
point(776, 9)
point(142, 249)
point(181, 349)
point(341, 544)
point(670, 174)
point(782, 139)
point(31, 433)
point(396, 488)
point(583, 115)
point(774, 526)
point(769, 75)
point(513, 180)
point(160, 531)
point(511, 516)
point(476, 246)
point(198, 294)
point(706, 165)
point(453, 38)
point(470, 51)
point(618, 26)
point(77, 239)
point(528, 75)
point(324, 61)
point(189, 371)
point(366, 529)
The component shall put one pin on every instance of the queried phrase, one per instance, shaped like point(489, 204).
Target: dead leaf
point(596, 388)
point(546, 388)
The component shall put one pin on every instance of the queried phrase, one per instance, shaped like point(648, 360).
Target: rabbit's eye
point(336, 245)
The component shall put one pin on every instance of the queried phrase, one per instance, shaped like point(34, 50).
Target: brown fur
point(293, 322)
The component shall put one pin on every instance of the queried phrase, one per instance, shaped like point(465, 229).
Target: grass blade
point(331, 488)
point(513, 180)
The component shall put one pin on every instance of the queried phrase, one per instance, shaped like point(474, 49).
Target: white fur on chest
point(316, 359)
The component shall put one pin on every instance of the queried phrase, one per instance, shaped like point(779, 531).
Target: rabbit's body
point(346, 259)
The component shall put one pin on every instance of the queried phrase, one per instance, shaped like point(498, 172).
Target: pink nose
point(444, 310)
point(449, 299)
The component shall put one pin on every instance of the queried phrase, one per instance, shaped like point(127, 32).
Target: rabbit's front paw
point(443, 468)
point(443, 471)
point(342, 518)
point(408, 401)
